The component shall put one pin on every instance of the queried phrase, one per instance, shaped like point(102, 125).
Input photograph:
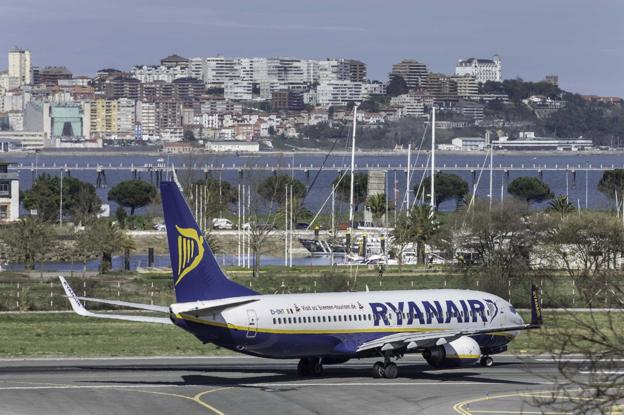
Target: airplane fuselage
point(336, 324)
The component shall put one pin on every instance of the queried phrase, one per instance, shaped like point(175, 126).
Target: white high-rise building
point(338, 92)
point(20, 66)
point(238, 90)
point(482, 69)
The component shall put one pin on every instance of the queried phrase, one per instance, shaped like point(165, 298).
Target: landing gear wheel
point(316, 367)
point(487, 361)
point(391, 371)
point(378, 370)
point(303, 368)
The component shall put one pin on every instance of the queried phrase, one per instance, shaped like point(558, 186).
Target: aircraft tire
point(378, 370)
point(316, 367)
point(303, 367)
point(487, 361)
point(391, 371)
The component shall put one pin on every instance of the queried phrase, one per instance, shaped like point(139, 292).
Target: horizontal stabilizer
point(147, 307)
point(80, 310)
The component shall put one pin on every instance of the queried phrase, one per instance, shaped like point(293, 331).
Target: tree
point(397, 86)
point(105, 238)
point(79, 198)
point(583, 244)
point(530, 189)
point(560, 205)
point(377, 204)
point(418, 227)
point(133, 194)
point(447, 186)
point(360, 188)
point(28, 239)
point(500, 238)
point(612, 184)
point(273, 188)
point(188, 135)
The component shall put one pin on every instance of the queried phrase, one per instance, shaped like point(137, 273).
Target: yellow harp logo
point(190, 251)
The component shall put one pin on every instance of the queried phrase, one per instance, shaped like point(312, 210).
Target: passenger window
point(289, 320)
point(299, 320)
point(323, 319)
point(339, 318)
point(334, 319)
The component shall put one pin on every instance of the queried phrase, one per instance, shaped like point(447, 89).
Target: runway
point(242, 385)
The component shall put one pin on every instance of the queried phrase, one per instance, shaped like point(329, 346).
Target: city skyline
point(576, 40)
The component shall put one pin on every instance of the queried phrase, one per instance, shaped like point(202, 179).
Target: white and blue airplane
point(448, 327)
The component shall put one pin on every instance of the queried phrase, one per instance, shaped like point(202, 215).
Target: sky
point(579, 40)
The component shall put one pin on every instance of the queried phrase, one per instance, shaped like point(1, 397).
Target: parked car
point(222, 224)
point(302, 225)
point(160, 227)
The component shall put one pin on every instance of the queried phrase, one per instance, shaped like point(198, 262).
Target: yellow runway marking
point(460, 407)
point(47, 385)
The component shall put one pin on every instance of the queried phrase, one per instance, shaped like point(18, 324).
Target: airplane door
point(252, 324)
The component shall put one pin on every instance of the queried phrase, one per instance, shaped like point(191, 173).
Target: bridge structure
point(240, 167)
point(157, 171)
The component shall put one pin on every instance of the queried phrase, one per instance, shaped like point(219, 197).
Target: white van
point(222, 224)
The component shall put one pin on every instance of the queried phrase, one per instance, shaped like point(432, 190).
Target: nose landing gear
point(486, 361)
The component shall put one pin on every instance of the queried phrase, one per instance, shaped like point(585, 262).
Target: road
point(242, 385)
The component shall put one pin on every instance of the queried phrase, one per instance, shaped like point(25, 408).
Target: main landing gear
point(387, 369)
point(310, 366)
point(486, 361)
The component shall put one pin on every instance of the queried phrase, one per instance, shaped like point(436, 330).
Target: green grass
point(69, 335)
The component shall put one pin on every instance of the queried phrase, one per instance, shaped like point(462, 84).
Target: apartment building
point(339, 93)
point(20, 66)
point(413, 72)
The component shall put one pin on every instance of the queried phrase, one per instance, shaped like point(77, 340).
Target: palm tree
point(377, 205)
point(106, 238)
point(424, 225)
point(560, 205)
point(28, 239)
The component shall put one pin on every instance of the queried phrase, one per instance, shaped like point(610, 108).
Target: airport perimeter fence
point(48, 295)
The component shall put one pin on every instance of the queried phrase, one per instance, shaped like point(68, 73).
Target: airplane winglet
point(73, 299)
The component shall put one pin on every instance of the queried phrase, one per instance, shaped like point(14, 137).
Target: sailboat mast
point(407, 182)
point(433, 144)
point(491, 173)
point(351, 205)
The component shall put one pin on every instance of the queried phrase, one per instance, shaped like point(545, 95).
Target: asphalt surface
point(242, 385)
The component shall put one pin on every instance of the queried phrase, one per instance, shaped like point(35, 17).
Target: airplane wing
point(80, 310)
point(410, 341)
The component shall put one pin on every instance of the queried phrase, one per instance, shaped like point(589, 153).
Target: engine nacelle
point(464, 351)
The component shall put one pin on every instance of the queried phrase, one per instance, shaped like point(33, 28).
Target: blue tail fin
point(196, 273)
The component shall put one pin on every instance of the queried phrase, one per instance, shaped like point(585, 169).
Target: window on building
point(5, 189)
point(4, 211)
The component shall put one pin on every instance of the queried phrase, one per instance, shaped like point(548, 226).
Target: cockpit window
point(512, 309)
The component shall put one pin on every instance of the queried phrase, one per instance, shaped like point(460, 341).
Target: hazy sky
point(581, 41)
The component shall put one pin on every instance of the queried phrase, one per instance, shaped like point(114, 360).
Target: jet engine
point(464, 351)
